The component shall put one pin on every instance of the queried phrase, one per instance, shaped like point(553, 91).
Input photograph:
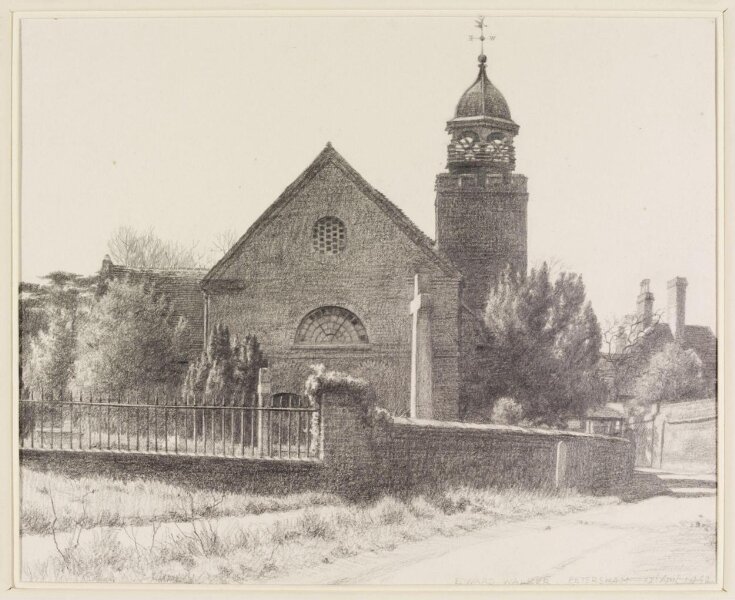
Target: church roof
point(330, 156)
point(483, 99)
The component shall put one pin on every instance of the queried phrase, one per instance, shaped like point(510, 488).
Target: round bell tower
point(481, 222)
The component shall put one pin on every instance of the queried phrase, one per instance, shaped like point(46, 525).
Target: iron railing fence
point(83, 423)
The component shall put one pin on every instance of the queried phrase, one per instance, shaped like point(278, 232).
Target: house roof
point(606, 412)
point(330, 156)
point(701, 339)
point(182, 289)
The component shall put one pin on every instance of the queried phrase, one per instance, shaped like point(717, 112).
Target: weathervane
point(480, 24)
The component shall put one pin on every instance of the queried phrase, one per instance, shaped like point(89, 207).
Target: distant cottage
point(335, 273)
point(698, 339)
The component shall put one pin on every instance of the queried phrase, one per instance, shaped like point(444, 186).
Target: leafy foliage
point(672, 374)
point(227, 373)
point(507, 411)
point(130, 342)
point(628, 344)
point(360, 391)
point(50, 366)
point(544, 342)
point(50, 317)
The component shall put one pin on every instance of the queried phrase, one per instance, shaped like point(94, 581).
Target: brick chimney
point(620, 341)
point(677, 306)
point(645, 303)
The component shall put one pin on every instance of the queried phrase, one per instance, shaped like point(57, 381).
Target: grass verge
point(103, 502)
point(208, 551)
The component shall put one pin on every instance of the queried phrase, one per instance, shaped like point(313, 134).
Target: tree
point(130, 342)
point(50, 314)
point(50, 366)
point(145, 250)
point(626, 346)
point(543, 345)
point(223, 241)
point(672, 374)
point(227, 373)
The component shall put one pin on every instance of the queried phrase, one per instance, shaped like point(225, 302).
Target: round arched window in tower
point(496, 138)
point(466, 140)
point(329, 235)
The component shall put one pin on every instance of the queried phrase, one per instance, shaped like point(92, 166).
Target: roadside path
point(667, 538)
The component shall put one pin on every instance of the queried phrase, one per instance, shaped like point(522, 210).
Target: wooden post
point(264, 392)
point(661, 446)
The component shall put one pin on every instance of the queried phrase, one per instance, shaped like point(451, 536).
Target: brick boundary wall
point(265, 476)
point(366, 452)
point(363, 451)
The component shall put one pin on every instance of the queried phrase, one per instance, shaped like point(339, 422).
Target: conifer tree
point(544, 343)
point(227, 373)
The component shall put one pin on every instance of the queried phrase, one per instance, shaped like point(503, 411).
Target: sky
point(193, 126)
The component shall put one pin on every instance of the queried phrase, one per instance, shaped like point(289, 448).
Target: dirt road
point(663, 533)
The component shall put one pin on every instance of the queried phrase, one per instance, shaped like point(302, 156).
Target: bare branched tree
point(624, 346)
point(223, 241)
point(145, 250)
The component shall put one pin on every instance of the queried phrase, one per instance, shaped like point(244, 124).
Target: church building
point(334, 273)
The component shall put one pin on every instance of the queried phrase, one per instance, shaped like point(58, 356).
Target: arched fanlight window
point(331, 325)
point(328, 235)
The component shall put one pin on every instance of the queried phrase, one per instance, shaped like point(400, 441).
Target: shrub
point(507, 411)
point(313, 525)
point(227, 373)
point(322, 381)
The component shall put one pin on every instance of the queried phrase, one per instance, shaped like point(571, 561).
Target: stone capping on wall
point(501, 429)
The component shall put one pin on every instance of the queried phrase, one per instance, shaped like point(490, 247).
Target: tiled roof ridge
point(159, 271)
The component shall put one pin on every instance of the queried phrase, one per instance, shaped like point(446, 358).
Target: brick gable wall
point(276, 278)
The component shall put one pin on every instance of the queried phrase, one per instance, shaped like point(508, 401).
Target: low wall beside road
point(369, 449)
point(677, 436)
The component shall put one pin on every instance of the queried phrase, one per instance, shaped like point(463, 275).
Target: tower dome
point(482, 130)
point(482, 98)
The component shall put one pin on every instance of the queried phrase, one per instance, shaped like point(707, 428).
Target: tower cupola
point(481, 202)
point(482, 129)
